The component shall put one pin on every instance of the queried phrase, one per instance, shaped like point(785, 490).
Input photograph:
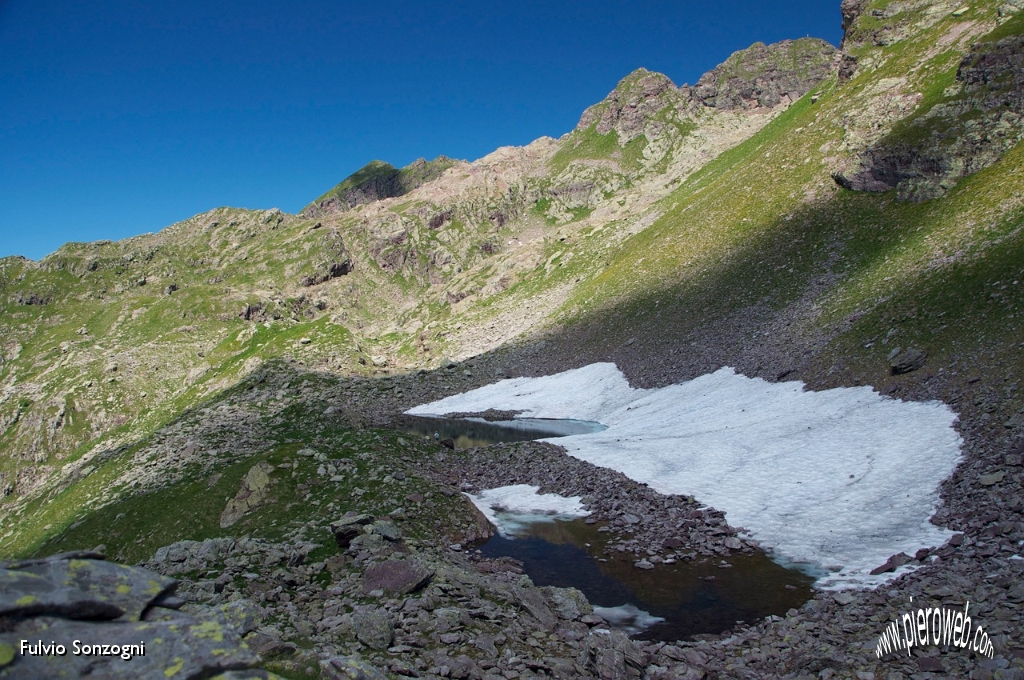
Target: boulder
point(388, 530)
point(81, 597)
point(349, 668)
point(76, 587)
point(373, 628)
point(396, 576)
point(532, 601)
point(252, 494)
point(348, 527)
point(907, 361)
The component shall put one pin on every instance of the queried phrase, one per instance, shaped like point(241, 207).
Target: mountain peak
point(765, 75)
point(377, 180)
point(637, 97)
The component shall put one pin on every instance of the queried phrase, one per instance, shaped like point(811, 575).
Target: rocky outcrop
point(851, 11)
point(332, 271)
point(252, 494)
point(764, 76)
point(970, 129)
point(375, 181)
point(627, 109)
point(76, 615)
point(907, 361)
point(761, 76)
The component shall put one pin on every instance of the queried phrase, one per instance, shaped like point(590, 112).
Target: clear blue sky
point(120, 117)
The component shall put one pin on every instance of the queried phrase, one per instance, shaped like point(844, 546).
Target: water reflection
point(692, 597)
point(471, 432)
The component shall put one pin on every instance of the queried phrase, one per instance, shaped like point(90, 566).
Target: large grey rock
point(253, 493)
point(348, 527)
point(71, 587)
point(78, 596)
point(348, 668)
point(243, 615)
point(183, 649)
point(373, 628)
point(908, 361)
point(612, 655)
point(396, 576)
point(532, 601)
point(569, 603)
point(387, 529)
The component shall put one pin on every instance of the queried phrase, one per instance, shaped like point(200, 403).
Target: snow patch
point(512, 508)
point(841, 479)
point(628, 618)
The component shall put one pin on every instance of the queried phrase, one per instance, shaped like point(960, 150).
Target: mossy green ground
point(134, 525)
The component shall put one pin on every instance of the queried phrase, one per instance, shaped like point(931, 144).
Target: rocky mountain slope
point(847, 217)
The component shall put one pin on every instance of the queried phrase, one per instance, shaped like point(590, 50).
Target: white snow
point(628, 618)
point(839, 479)
point(511, 508)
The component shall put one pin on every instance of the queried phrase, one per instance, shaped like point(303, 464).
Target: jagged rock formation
point(765, 75)
point(851, 11)
point(375, 181)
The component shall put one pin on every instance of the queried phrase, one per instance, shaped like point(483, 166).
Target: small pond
point(670, 602)
point(470, 432)
point(691, 597)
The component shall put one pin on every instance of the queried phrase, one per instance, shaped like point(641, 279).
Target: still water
point(470, 432)
point(692, 597)
point(669, 602)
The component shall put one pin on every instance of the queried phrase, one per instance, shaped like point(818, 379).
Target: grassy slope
point(744, 229)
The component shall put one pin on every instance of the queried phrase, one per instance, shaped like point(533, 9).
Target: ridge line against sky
point(124, 117)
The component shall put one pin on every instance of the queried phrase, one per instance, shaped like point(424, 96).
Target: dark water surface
point(693, 597)
point(470, 432)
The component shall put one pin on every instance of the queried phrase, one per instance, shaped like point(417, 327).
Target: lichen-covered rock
point(78, 586)
point(349, 668)
point(131, 649)
point(77, 615)
point(373, 628)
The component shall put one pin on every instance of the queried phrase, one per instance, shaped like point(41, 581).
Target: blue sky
point(121, 117)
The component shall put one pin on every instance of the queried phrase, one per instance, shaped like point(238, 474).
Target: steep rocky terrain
point(207, 399)
point(375, 181)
